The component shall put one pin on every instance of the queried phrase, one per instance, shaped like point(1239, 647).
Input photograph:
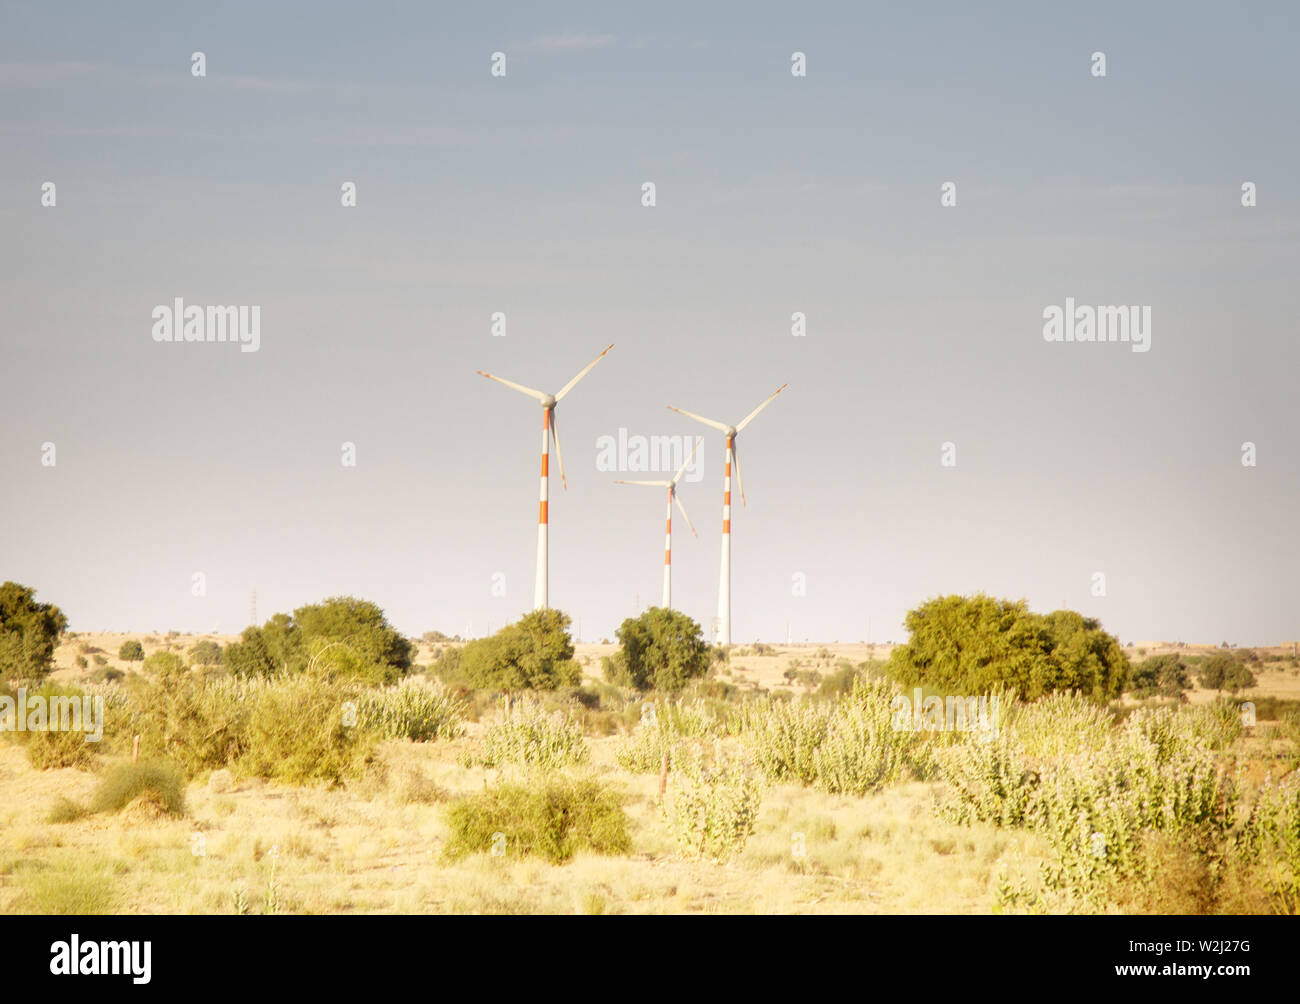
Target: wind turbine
point(549, 430)
point(668, 531)
point(724, 574)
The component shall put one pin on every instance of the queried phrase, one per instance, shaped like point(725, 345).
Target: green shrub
point(342, 636)
point(1058, 725)
point(662, 650)
point(206, 653)
point(1270, 844)
point(54, 744)
point(553, 819)
point(863, 749)
point(1159, 676)
point(713, 803)
point(29, 632)
point(162, 782)
point(534, 653)
point(530, 736)
point(164, 664)
point(131, 651)
point(413, 709)
point(974, 645)
point(286, 728)
point(662, 729)
point(297, 733)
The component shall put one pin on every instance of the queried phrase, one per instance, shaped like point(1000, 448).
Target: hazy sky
point(775, 194)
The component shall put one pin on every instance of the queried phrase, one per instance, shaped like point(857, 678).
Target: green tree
point(341, 636)
point(164, 664)
point(534, 653)
point(1160, 675)
point(29, 632)
point(206, 653)
point(131, 651)
point(971, 644)
point(661, 650)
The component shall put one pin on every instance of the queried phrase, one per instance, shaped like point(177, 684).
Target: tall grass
point(530, 736)
point(415, 709)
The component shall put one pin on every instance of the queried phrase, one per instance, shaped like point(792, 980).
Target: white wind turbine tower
point(724, 574)
point(668, 526)
point(549, 431)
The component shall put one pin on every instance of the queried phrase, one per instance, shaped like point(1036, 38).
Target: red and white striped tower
point(724, 571)
point(668, 554)
point(668, 522)
point(539, 589)
point(733, 460)
point(549, 431)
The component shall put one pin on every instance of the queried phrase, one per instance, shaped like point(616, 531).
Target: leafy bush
point(713, 804)
point(863, 749)
point(850, 747)
point(971, 645)
point(286, 728)
point(29, 632)
point(164, 663)
point(131, 651)
point(343, 635)
point(1058, 725)
point(1270, 843)
point(554, 819)
point(206, 653)
point(123, 784)
point(661, 650)
point(1102, 809)
point(663, 727)
point(54, 744)
point(421, 712)
point(1159, 676)
point(783, 737)
point(534, 653)
point(529, 736)
point(296, 733)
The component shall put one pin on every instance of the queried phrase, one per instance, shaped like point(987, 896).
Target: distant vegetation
point(975, 644)
point(345, 636)
point(29, 632)
point(661, 650)
point(534, 653)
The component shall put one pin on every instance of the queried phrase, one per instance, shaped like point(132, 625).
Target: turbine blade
point(559, 453)
point(684, 516)
point(656, 484)
point(514, 386)
point(569, 386)
point(707, 421)
point(740, 482)
point(682, 470)
point(750, 417)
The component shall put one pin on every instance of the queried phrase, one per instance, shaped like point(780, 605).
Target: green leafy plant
point(552, 818)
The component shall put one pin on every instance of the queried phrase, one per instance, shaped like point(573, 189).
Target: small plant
point(415, 710)
point(131, 651)
point(162, 784)
point(713, 804)
point(529, 736)
point(553, 818)
point(662, 729)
